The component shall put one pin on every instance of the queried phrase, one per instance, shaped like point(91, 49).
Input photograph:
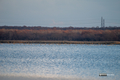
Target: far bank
point(59, 42)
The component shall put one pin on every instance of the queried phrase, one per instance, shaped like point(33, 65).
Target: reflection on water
point(74, 61)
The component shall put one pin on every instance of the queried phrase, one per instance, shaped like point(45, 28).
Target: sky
point(59, 13)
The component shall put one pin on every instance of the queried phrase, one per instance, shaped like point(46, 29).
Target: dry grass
point(60, 42)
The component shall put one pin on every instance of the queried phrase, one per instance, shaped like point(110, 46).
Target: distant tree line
point(56, 33)
point(60, 28)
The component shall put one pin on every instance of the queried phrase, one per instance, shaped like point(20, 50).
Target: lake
point(62, 61)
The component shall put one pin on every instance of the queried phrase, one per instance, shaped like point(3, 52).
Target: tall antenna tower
point(102, 22)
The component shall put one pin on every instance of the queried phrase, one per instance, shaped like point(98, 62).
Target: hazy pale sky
point(59, 13)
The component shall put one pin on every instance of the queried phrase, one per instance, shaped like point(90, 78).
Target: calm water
point(79, 61)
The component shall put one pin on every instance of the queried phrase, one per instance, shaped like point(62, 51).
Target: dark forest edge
point(59, 42)
point(59, 34)
point(59, 28)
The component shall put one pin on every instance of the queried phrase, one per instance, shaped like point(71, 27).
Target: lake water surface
point(80, 61)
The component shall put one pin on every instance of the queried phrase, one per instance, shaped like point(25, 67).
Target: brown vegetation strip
point(60, 42)
point(60, 35)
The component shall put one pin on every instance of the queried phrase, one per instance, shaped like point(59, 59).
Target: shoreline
point(34, 77)
point(59, 42)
